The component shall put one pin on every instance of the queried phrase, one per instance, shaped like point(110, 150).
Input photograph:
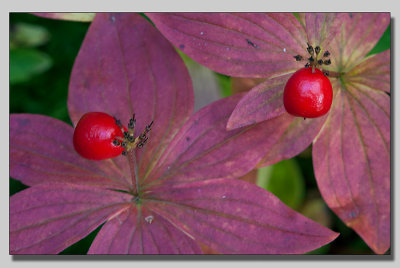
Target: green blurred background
point(42, 52)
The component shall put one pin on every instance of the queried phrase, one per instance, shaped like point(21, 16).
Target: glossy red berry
point(94, 135)
point(308, 93)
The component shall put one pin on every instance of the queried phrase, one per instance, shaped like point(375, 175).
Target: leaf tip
point(380, 251)
point(230, 125)
point(235, 122)
point(333, 236)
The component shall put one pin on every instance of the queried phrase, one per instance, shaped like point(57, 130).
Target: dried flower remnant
point(316, 60)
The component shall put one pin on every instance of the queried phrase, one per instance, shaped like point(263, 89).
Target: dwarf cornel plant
point(177, 192)
point(351, 143)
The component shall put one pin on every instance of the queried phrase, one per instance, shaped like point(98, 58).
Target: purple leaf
point(237, 44)
point(41, 151)
point(374, 72)
point(352, 163)
point(67, 16)
point(261, 103)
point(125, 66)
point(359, 34)
point(298, 135)
point(321, 28)
point(204, 149)
point(236, 217)
point(140, 231)
point(46, 219)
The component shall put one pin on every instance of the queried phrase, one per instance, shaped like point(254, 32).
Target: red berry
point(94, 135)
point(308, 94)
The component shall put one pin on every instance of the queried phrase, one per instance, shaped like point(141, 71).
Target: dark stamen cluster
point(298, 57)
point(128, 141)
point(315, 60)
point(317, 50)
point(310, 49)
